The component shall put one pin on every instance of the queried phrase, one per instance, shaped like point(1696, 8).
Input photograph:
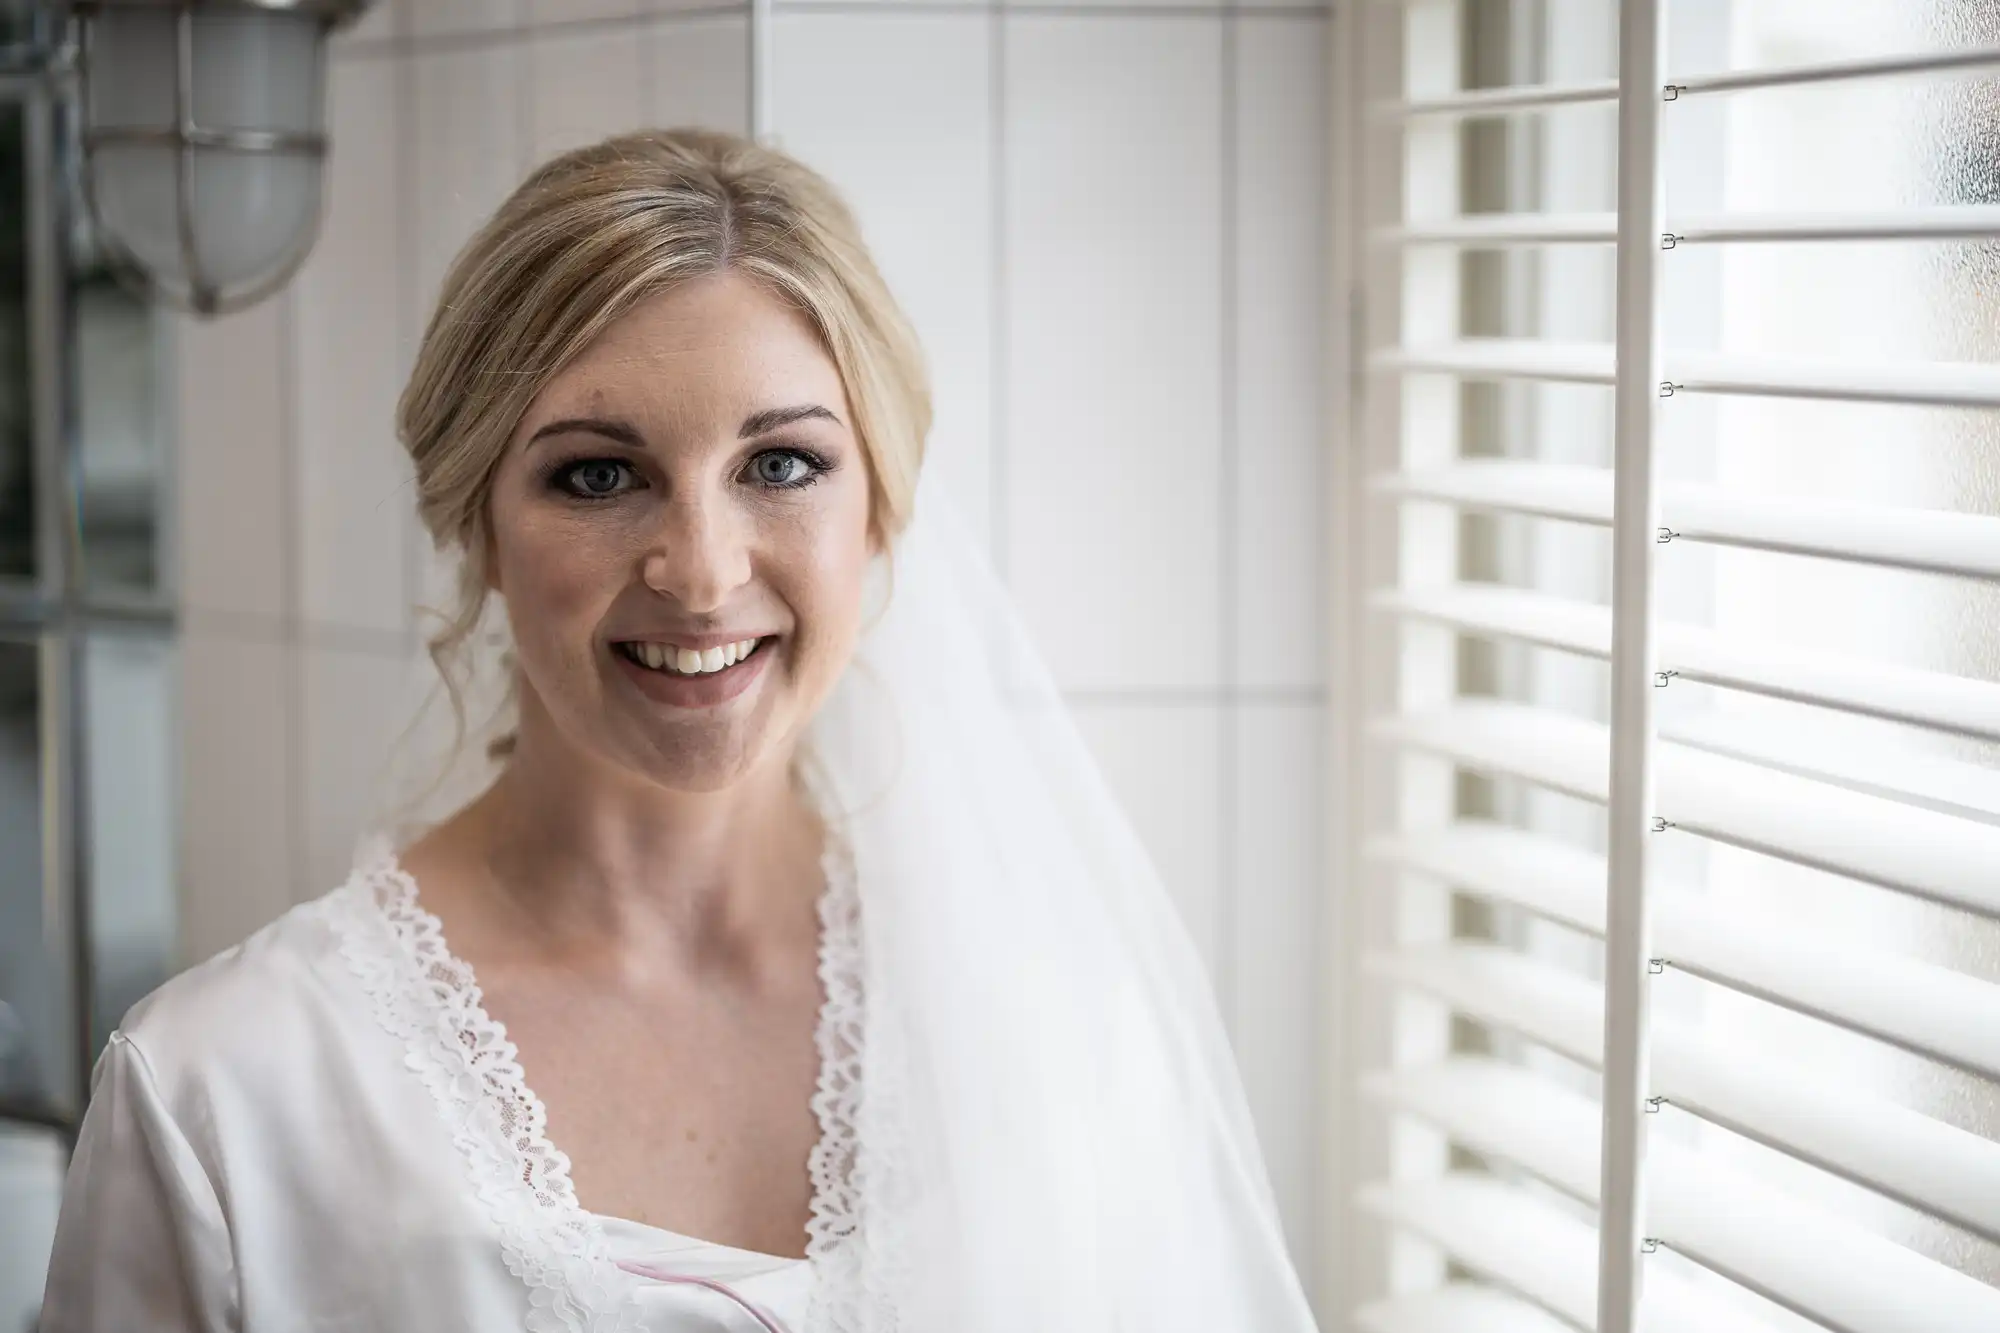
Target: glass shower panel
point(37, 1047)
point(17, 491)
point(129, 702)
point(121, 349)
point(17, 19)
point(32, 1162)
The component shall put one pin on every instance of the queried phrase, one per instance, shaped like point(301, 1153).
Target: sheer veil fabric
point(1050, 1132)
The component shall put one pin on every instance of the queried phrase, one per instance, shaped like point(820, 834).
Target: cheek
point(556, 575)
point(831, 573)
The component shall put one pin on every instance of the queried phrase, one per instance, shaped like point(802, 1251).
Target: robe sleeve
point(142, 1241)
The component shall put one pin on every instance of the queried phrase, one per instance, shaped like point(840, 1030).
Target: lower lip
point(706, 690)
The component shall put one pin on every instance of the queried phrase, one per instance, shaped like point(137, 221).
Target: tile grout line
point(1229, 763)
point(473, 39)
point(999, 363)
point(274, 631)
point(649, 70)
point(404, 167)
point(409, 43)
point(523, 41)
point(1053, 10)
point(289, 575)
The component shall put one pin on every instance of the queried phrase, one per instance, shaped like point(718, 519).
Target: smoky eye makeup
point(590, 477)
point(787, 467)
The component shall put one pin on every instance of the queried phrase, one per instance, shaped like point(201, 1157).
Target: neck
point(593, 855)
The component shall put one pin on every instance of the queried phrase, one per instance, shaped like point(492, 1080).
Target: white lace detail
point(833, 1233)
point(429, 999)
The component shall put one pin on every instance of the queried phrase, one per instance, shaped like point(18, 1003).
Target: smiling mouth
point(669, 660)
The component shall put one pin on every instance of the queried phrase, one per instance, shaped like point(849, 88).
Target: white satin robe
point(319, 1130)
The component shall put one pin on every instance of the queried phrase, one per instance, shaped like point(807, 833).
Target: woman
point(799, 918)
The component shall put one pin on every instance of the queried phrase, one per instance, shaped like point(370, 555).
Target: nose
point(698, 556)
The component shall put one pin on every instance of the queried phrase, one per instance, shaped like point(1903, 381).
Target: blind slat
point(1458, 1308)
point(1890, 1149)
point(1930, 699)
point(1931, 1011)
point(1501, 358)
point(1499, 101)
point(1925, 540)
point(1817, 824)
point(1938, 223)
point(1963, 60)
point(1793, 745)
point(1509, 1237)
point(1838, 1274)
point(1923, 384)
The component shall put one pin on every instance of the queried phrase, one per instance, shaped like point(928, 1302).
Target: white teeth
point(686, 661)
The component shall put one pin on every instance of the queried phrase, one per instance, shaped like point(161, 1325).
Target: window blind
point(1544, 1124)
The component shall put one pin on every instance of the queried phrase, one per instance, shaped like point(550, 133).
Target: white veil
point(1049, 1134)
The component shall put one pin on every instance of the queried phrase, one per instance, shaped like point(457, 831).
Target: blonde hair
point(587, 237)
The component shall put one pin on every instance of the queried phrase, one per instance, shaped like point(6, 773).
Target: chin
point(712, 755)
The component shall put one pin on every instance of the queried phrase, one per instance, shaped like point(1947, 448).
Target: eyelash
point(561, 475)
point(818, 467)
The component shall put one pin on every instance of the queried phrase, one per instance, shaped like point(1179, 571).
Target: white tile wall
point(352, 477)
point(354, 707)
point(1113, 273)
point(699, 72)
point(923, 188)
point(1107, 227)
point(571, 11)
point(231, 486)
point(1279, 281)
point(1274, 1004)
point(429, 18)
point(466, 141)
point(236, 794)
point(467, 149)
point(583, 84)
point(1165, 764)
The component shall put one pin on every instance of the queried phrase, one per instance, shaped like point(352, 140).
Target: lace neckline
point(430, 999)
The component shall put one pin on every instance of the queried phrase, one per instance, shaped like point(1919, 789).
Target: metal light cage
point(201, 291)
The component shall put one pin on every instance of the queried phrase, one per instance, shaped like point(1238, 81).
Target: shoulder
point(287, 987)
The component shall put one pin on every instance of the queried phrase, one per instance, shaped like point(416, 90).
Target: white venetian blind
point(1672, 575)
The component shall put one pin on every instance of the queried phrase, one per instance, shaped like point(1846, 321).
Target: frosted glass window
point(129, 706)
point(37, 1052)
point(32, 1162)
point(17, 493)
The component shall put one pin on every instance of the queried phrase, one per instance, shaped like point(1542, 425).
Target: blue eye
point(594, 478)
point(785, 469)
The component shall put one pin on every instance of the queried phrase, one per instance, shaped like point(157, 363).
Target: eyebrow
point(611, 430)
point(772, 418)
point(757, 423)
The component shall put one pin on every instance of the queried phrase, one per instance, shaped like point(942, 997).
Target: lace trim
point(430, 1000)
point(833, 1233)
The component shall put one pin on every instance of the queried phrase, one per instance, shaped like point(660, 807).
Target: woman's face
point(681, 531)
